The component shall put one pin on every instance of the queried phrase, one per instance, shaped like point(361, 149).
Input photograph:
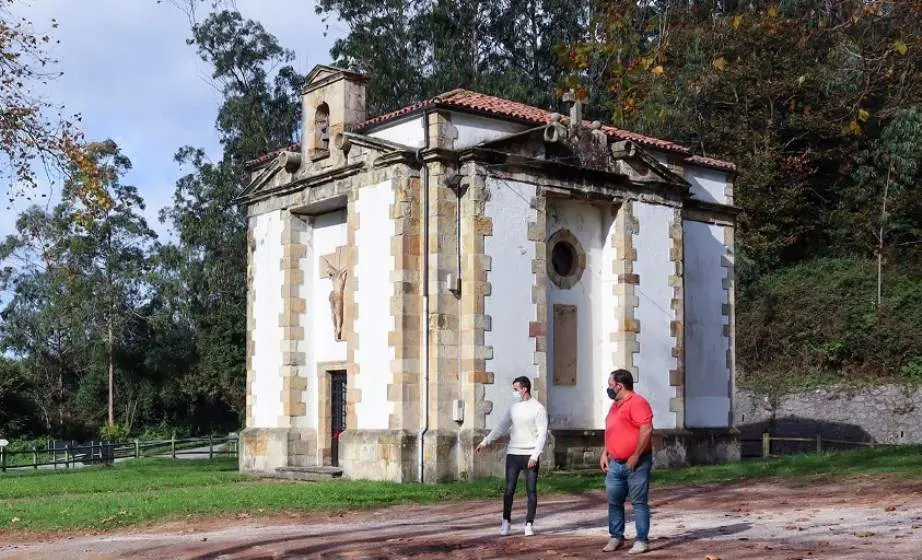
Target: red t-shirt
point(622, 426)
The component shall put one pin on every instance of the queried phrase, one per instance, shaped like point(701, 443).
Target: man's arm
point(498, 431)
point(643, 419)
point(541, 424)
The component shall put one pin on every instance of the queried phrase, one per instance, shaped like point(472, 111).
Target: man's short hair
point(524, 382)
point(624, 377)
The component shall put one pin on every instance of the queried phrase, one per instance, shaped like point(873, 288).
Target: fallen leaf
point(900, 47)
point(15, 520)
point(864, 534)
point(712, 557)
point(890, 508)
point(720, 64)
point(791, 527)
point(737, 20)
point(658, 70)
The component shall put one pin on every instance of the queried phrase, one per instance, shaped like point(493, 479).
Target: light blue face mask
point(516, 396)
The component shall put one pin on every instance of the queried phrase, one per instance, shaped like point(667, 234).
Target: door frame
point(325, 371)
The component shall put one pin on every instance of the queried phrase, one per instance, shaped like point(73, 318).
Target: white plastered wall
point(584, 405)
point(654, 310)
point(708, 185)
point(267, 306)
point(373, 297)
point(473, 130)
point(509, 304)
point(707, 377)
point(324, 233)
point(408, 132)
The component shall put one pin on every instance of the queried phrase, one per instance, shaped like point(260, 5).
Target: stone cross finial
point(576, 108)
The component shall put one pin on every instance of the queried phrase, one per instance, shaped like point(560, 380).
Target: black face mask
point(611, 393)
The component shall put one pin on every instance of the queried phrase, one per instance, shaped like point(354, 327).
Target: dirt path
point(869, 517)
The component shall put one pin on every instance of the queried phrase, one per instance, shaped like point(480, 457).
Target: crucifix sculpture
point(338, 277)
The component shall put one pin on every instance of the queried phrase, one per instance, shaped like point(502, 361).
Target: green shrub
point(818, 323)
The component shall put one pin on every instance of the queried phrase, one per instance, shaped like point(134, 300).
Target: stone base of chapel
point(580, 449)
point(266, 449)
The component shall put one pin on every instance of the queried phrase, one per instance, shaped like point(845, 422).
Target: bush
point(819, 321)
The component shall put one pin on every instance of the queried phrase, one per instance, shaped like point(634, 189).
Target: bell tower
point(332, 101)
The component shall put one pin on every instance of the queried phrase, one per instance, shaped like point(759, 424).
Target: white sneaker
point(613, 544)
point(504, 528)
point(529, 530)
point(639, 548)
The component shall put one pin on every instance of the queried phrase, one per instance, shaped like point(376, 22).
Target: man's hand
point(632, 462)
point(603, 461)
point(532, 463)
point(479, 449)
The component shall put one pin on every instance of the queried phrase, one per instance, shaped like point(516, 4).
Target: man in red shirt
point(627, 460)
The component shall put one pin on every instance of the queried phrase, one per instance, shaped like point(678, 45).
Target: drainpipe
point(424, 408)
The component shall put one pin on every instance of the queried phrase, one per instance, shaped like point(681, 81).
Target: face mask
point(516, 396)
point(611, 393)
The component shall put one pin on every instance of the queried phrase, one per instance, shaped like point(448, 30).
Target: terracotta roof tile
point(266, 157)
point(487, 104)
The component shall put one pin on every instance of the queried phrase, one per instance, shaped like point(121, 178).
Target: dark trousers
point(514, 465)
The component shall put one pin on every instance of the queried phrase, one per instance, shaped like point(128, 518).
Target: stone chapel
point(403, 269)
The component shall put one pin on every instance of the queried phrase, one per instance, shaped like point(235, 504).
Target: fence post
point(66, 455)
point(137, 448)
point(819, 443)
point(54, 456)
point(210, 446)
point(34, 458)
point(173, 445)
point(766, 444)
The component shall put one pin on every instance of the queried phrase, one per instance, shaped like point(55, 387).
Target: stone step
point(308, 473)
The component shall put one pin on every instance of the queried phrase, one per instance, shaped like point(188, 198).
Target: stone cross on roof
point(576, 108)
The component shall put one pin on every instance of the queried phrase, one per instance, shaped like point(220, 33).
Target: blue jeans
point(621, 483)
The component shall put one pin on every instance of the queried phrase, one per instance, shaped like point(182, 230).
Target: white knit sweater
point(528, 420)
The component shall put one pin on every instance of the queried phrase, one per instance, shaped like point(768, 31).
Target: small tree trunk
point(111, 375)
point(880, 239)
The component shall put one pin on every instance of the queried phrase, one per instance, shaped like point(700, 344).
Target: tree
point(46, 322)
point(789, 92)
point(79, 275)
point(28, 134)
point(885, 198)
point(111, 248)
point(203, 277)
point(415, 50)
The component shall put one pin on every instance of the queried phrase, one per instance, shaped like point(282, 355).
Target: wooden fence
point(819, 441)
point(68, 455)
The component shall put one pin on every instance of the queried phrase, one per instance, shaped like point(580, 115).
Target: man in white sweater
point(528, 421)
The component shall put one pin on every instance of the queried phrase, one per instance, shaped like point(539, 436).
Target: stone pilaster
point(444, 323)
point(351, 309)
point(537, 329)
point(291, 319)
point(677, 327)
point(475, 322)
point(729, 311)
point(624, 229)
point(406, 305)
point(251, 318)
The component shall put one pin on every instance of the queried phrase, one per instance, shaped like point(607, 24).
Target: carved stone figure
point(338, 278)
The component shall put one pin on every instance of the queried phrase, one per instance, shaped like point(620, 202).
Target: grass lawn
point(149, 490)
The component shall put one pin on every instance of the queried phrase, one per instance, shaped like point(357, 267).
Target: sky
point(129, 72)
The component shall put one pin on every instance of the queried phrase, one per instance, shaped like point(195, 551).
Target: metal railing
point(70, 454)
